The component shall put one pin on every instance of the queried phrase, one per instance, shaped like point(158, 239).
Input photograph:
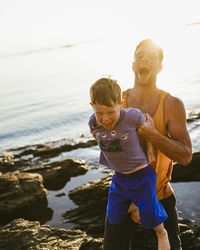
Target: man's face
point(146, 65)
point(107, 116)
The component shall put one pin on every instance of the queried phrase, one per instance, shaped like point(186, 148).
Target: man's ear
point(161, 66)
point(133, 66)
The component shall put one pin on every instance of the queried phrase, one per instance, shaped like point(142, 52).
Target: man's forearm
point(173, 149)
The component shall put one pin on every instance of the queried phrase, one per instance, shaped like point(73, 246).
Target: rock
point(52, 149)
point(61, 194)
point(89, 216)
point(193, 116)
point(57, 174)
point(22, 234)
point(91, 199)
point(20, 192)
point(191, 172)
point(39, 154)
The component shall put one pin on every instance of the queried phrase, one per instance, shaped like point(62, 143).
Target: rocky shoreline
point(26, 175)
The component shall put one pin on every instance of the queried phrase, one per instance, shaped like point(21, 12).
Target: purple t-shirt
point(120, 147)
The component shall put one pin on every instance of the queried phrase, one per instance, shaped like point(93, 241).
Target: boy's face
point(107, 116)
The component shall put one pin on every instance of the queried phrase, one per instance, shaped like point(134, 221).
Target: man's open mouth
point(144, 70)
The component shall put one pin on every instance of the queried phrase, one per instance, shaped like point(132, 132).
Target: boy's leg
point(163, 241)
point(171, 223)
point(135, 214)
point(118, 236)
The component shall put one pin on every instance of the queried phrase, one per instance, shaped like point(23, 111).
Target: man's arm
point(178, 145)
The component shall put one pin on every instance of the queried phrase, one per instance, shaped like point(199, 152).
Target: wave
point(66, 46)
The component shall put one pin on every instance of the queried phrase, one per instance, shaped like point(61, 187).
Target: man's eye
point(152, 56)
point(139, 56)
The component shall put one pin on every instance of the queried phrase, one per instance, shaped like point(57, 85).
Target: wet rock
point(91, 199)
point(54, 148)
point(61, 194)
point(58, 173)
point(18, 193)
point(10, 163)
point(23, 234)
point(34, 155)
point(193, 116)
point(191, 172)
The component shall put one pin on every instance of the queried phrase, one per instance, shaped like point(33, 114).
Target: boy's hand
point(151, 157)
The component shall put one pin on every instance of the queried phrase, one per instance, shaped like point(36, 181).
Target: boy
point(115, 130)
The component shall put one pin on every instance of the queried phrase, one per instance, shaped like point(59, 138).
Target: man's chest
point(146, 106)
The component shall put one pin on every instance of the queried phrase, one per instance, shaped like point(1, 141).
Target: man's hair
point(105, 91)
point(150, 43)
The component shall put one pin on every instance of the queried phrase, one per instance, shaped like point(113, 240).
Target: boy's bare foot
point(135, 215)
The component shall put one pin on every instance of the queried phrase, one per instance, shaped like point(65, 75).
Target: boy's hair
point(105, 91)
point(150, 43)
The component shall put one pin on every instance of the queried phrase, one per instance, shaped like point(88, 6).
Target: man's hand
point(148, 127)
point(149, 121)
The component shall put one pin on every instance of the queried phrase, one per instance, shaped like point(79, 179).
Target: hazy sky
point(33, 24)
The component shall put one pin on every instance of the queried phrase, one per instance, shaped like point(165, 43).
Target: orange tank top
point(162, 165)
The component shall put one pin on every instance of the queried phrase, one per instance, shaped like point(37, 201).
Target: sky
point(35, 24)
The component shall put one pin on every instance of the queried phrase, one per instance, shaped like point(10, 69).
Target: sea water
point(45, 96)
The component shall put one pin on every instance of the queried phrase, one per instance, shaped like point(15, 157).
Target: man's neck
point(145, 91)
point(145, 98)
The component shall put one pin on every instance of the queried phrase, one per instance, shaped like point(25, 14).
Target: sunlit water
point(44, 96)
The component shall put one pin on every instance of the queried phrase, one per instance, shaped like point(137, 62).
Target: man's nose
point(144, 59)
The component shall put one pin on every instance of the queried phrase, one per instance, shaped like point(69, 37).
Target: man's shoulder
point(173, 107)
point(173, 101)
point(125, 92)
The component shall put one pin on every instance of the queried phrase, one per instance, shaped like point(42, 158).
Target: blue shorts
point(138, 187)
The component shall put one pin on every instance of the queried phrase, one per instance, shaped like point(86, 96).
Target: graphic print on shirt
point(111, 145)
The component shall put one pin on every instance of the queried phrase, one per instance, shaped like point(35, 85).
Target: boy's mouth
point(108, 125)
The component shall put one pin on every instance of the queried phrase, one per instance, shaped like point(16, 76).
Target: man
point(169, 136)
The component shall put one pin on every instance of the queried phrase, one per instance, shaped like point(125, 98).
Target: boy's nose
point(105, 118)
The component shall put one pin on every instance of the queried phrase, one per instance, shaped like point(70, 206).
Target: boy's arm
point(93, 134)
point(150, 148)
point(92, 123)
point(150, 152)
